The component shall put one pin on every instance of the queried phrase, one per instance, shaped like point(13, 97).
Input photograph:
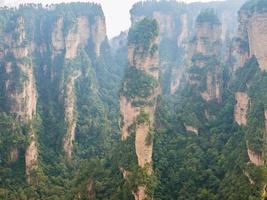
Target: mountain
point(173, 108)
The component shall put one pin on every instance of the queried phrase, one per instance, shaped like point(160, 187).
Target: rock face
point(31, 156)
point(206, 56)
point(70, 118)
point(166, 24)
point(191, 129)
point(58, 43)
point(98, 33)
point(78, 36)
point(22, 99)
point(20, 92)
point(41, 61)
point(128, 113)
point(183, 37)
point(208, 38)
point(255, 158)
point(257, 35)
point(68, 43)
point(252, 38)
point(241, 108)
point(144, 60)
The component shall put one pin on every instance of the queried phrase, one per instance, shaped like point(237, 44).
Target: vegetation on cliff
point(208, 16)
point(210, 165)
point(143, 33)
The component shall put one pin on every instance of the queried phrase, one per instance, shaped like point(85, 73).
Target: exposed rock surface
point(184, 35)
point(140, 194)
point(70, 118)
point(255, 158)
point(257, 35)
point(191, 129)
point(22, 100)
point(98, 32)
point(166, 24)
point(205, 56)
point(208, 38)
point(251, 40)
point(21, 93)
point(241, 108)
point(213, 87)
point(78, 36)
point(58, 42)
point(146, 63)
point(31, 156)
point(128, 113)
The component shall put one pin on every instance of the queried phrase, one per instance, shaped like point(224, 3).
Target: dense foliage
point(138, 84)
point(143, 33)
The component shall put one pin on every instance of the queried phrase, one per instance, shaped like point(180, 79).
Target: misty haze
point(133, 100)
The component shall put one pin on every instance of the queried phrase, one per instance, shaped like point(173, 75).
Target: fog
point(116, 11)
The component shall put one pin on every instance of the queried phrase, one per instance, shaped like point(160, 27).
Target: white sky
point(116, 11)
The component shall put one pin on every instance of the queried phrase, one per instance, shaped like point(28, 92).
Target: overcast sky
point(116, 11)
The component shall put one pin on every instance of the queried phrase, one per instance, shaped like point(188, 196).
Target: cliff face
point(44, 57)
point(21, 97)
point(78, 36)
point(252, 37)
point(69, 112)
point(137, 109)
point(19, 87)
point(206, 55)
point(250, 58)
point(208, 37)
point(69, 43)
point(257, 35)
point(241, 108)
point(98, 33)
point(176, 24)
